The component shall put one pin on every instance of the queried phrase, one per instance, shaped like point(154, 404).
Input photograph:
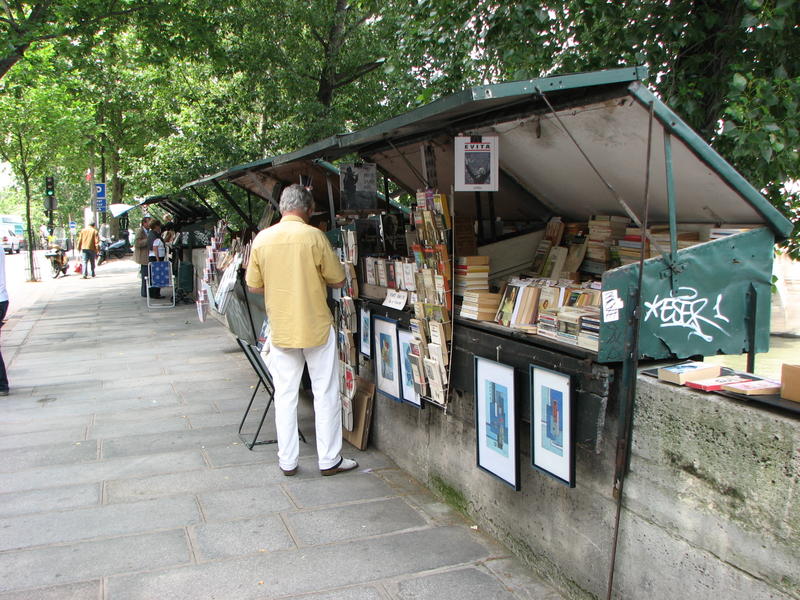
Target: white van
point(17, 225)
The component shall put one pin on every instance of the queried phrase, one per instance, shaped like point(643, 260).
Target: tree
point(39, 117)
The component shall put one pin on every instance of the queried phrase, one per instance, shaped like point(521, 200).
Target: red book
point(714, 384)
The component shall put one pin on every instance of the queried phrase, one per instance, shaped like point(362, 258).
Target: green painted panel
point(703, 308)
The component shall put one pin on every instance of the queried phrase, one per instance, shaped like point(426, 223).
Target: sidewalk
point(122, 477)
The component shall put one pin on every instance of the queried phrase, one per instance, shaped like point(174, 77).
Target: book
point(507, 305)
point(756, 387)
point(714, 384)
point(688, 371)
point(555, 262)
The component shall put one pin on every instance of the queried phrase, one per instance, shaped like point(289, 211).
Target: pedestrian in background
point(89, 245)
point(293, 264)
point(141, 251)
point(3, 310)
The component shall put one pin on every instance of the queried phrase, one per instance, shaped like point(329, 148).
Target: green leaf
point(754, 4)
point(739, 82)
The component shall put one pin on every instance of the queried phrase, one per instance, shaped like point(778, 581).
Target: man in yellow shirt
point(293, 264)
point(89, 245)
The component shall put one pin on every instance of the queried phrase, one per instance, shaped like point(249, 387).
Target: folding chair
point(159, 275)
point(265, 379)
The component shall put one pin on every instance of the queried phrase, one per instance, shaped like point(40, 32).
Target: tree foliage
point(175, 89)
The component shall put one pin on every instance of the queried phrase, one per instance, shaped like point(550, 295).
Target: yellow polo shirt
point(294, 263)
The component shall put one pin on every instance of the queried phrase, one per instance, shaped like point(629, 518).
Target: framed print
point(387, 363)
point(365, 327)
point(552, 440)
point(476, 164)
point(404, 341)
point(496, 420)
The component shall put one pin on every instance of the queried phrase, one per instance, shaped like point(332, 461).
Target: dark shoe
point(344, 464)
point(4, 392)
point(289, 472)
point(85, 276)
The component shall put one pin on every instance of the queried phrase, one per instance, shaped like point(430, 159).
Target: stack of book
point(471, 274)
point(722, 232)
point(480, 305)
point(589, 334)
point(604, 230)
point(548, 323)
point(660, 235)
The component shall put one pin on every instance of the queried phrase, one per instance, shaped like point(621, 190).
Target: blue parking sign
point(100, 191)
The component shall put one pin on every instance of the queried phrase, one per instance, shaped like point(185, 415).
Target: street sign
point(101, 205)
point(73, 227)
point(100, 191)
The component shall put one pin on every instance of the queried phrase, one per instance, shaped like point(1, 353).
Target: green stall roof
point(607, 112)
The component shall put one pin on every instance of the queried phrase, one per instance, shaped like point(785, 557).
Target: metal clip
point(497, 357)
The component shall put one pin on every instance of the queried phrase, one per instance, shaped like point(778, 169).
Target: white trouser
point(286, 368)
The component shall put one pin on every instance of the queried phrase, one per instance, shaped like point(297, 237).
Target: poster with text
point(477, 164)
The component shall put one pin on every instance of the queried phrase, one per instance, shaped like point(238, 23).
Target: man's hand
point(337, 285)
point(255, 290)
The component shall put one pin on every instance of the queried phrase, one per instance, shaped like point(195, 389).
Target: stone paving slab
point(521, 581)
point(79, 591)
point(240, 538)
point(323, 491)
point(40, 436)
point(50, 499)
point(90, 560)
point(229, 505)
point(168, 442)
point(353, 593)
point(218, 420)
point(56, 409)
point(100, 521)
point(136, 466)
point(47, 453)
point(120, 428)
point(273, 575)
point(354, 521)
point(187, 482)
point(452, 585)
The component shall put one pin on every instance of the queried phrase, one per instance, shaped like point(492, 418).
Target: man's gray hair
point(296, 197)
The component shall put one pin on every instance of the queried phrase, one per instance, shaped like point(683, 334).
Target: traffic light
point(49, 187)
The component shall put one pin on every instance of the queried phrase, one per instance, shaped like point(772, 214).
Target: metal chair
point(159, 275)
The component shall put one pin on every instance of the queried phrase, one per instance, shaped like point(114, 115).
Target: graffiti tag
point(686, 310)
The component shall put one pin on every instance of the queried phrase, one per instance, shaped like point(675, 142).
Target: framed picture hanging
point(387, 363)
point(552, 439)
point(476, 164)
point(365, 327)
point(496, 420)
point(404, 341)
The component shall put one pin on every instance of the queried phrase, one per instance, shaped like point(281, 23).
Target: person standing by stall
point(88, 245)
point(142, 245)
point(3, 310)
point(293, 264)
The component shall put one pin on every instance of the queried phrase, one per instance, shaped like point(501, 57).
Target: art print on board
point(496, 420)
point(405, 341)
point(552, 443)
point(387, 364)
point(365, 327)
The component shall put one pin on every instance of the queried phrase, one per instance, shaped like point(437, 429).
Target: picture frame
point(387, 357)
point(552, 425)
point(365, 331)
point(496, 421)
point(409, 395)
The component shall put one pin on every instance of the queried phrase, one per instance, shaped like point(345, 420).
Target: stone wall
point(712, 503)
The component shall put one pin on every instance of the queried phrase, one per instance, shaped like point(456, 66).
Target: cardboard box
point(790, 382)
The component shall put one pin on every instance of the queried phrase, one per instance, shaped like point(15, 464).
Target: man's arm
point(255, 290)
point(337, 285)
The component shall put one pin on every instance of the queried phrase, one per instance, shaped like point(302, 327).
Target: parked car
point(9, 240)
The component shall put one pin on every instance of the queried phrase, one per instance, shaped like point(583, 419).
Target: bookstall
point(560, 230)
